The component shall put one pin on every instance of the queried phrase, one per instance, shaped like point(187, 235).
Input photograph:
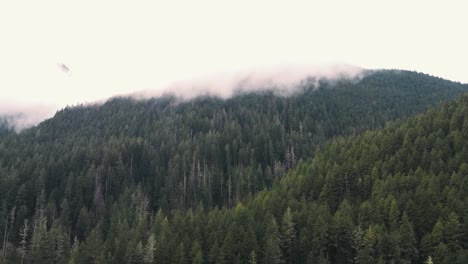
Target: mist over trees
point(257, 178)
point(4, 126)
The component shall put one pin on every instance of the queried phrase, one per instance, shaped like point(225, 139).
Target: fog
point(19, 116)
point(284, 80)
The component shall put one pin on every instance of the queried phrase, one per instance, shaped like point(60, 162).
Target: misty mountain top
point(21, 115)
point(282, 81)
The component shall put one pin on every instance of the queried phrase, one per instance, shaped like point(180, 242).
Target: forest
point(366, 171)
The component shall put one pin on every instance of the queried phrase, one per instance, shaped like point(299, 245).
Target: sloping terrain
point(100, 173)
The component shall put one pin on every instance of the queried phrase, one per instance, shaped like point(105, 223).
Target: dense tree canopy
point(227, 181)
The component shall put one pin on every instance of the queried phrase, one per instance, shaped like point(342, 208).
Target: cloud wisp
point(282, 79)
point(19, 116)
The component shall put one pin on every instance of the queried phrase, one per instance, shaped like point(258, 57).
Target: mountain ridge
point(88, 168)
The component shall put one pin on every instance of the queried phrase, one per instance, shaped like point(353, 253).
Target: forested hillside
point(163, 181)
point(4, 126)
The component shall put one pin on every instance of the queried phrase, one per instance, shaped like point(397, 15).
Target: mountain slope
point(251, 138)
point(396, 195)
point(83, 172)
point(411, 174)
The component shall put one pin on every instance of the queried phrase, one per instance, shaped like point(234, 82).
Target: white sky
point(115, 47)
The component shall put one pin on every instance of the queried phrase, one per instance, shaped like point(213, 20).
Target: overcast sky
point(66, 52)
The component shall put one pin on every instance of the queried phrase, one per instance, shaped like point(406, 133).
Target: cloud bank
point(283, 79)
point(19, 116)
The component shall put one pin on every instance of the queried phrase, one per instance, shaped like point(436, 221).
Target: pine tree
point(381, 260)
point(65, 213)
point(91, 251)
point(428, 260)
point(41, 248)
point(98, 196)
point(288, 235)
point(408, 244)
point(343, 232)
point(214, 252)
point(272, 251)
point(453, 232)
point(61, 242)
point(229, 250)
point(74, 251)
point(179, 256)
point(393, 212)
point(252, 257)
point(148, 254)
point(196, 250)
point(367, 245)
point(229, 189)
point(24, 242)
point(198, 258)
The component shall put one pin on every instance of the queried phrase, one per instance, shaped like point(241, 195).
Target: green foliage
point(258, 178)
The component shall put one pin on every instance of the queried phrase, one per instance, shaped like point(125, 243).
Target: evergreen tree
point(24, 240)
point(148, 255)
point(272, 252)
point(409, 251)
point(288, 236)
point(252, 258)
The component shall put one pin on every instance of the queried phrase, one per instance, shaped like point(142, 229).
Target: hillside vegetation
point(227, 181)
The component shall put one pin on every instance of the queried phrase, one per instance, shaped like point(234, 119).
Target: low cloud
point(19, 116)
point(283, 79)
